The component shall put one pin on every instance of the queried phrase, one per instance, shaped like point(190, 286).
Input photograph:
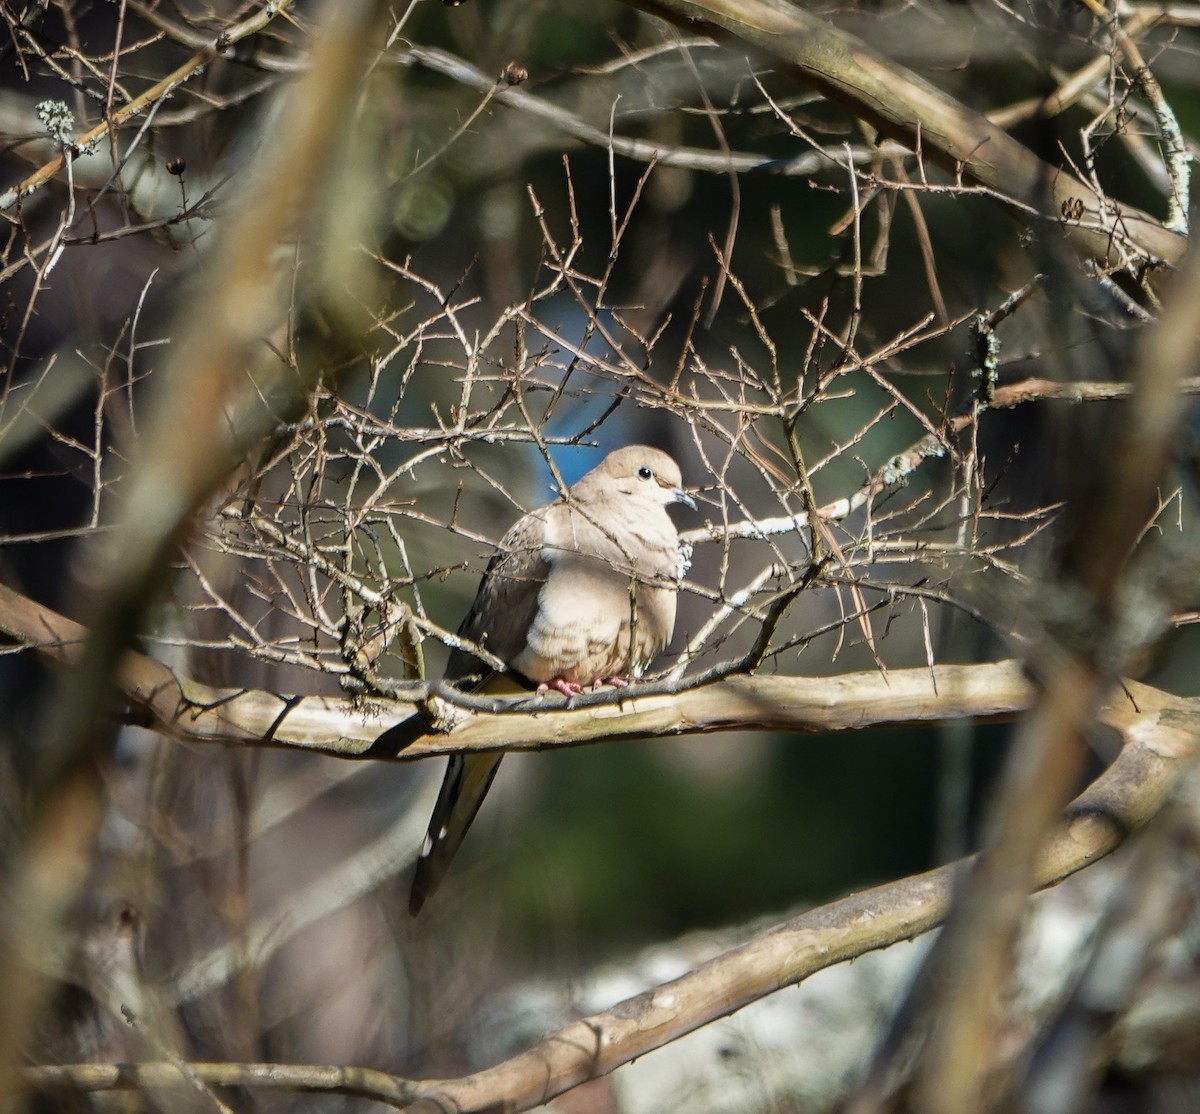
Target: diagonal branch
point(908, 108)
point(157, 93)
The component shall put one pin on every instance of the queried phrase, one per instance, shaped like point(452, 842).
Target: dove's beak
point(678, 495)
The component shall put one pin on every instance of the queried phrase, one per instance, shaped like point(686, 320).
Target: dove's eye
point(645, 473)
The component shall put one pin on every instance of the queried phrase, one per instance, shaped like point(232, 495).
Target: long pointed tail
point(468, 778)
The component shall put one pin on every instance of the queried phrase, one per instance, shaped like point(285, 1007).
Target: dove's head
point(640, 473)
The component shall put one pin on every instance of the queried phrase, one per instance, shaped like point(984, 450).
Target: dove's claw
point(567, 688)
point(610, 682)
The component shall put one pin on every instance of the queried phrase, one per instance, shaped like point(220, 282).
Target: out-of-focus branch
point(908, 108)
point(1160, 735)
point(1074, 86)
point(1144, 911)
point(362, 872)
point(975, 955)
point(214, 402)
point(354, 1082)
point(640, 150)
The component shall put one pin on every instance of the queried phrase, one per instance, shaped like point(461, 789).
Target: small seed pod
point(515, 74)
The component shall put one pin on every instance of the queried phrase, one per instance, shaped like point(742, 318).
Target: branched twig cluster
point(302, 308)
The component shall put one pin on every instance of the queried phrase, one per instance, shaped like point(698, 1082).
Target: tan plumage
point(581, 591)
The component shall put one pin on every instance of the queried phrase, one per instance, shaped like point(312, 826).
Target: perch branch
point(188, 710)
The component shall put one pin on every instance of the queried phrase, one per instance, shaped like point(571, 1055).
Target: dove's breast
point(589, 616)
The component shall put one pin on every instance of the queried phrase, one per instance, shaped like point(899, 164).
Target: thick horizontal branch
point(185, 709)
point(847, 702)
point(295, 1078)
point(1159, 734)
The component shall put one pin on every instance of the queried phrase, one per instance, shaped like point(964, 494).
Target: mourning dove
point(582, 591)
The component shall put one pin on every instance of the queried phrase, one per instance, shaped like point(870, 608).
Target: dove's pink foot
point(567, 688)
point(611, 682)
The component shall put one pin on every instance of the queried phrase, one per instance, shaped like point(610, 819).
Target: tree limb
point(186, 709)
